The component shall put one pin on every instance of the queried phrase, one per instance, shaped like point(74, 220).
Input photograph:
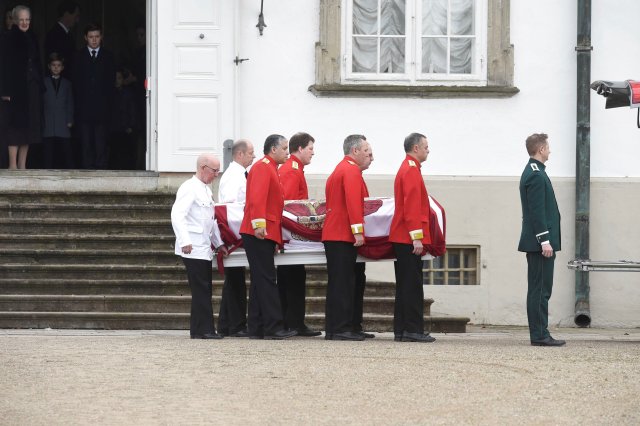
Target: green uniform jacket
point(540, 214)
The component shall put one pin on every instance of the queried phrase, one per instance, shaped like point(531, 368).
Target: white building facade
point(476, 77)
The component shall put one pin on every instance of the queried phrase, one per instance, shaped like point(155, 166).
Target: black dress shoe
point(365, 335)
point(548, 341)
point(397, 337)
point(206, 336)
point(255, 336)
point(307, 332)
point(347, 335)
point(417, 337)
point(280, 335)
point(240, 333)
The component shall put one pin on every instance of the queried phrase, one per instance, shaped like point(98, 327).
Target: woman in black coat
point(22, 87)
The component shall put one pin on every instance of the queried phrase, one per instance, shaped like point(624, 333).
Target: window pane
point(392, 17)
point(461, 55)
point(365, 17)
point(438, 278)
point(434, 55)
point(462, 17)
point(392, 55)
point(469, 259)
point(434, 17)
point(470, 278)
point(454, 259)
point(365, 54)
point(454, 278)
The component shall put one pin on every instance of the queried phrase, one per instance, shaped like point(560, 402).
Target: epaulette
point(411, 163)
point(266, 160)
point(534, 167)
point(294, 165)
point(351, 162)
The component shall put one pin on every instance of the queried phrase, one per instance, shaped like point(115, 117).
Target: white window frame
point(413, 57)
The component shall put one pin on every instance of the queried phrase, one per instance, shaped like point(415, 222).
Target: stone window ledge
point(395, 91)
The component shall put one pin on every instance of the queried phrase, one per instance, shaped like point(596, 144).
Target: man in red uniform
point(409, 233)
point(342, 234)
point(292, 278)
point(261, 235)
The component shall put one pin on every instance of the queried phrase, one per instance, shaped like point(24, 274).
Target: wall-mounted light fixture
point(261, 25)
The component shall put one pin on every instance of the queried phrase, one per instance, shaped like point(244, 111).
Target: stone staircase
point(105, 260)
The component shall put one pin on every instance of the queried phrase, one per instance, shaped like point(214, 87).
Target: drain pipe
point(582, 316)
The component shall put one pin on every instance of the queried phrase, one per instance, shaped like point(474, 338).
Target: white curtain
point(384, 31)
point(435, 23)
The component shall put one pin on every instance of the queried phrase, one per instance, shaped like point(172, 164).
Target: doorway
point(125, 34)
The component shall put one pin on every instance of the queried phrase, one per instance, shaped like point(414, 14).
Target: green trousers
point(540, 280)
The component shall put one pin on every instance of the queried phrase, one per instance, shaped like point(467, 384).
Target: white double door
point(195, 81)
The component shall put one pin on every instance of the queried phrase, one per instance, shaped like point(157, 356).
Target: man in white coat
point(232, 320)
point(196, 229)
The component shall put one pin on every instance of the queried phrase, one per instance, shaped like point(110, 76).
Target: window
point(415, 41)
point(414, 48)
point(458, 266)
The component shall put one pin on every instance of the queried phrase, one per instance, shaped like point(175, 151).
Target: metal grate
point(460, 265)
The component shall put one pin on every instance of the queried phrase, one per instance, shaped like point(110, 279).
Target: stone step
point(180, 321)
point(73, 271)
point(35, 226)
point(83, 210)
point(87, 242)
point(156, 303)
point(115, 258)
point(378, 305)
point(16, 198)
point(106, 287)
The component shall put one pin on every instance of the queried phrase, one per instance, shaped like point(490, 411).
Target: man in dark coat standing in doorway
point(540, 238)
point(59, 38)
point(94, 85)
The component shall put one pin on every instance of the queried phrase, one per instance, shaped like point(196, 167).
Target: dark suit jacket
point(61, 42)
point(540, 214)
point(94, 86)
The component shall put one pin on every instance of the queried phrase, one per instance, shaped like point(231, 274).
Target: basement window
point(460, 265)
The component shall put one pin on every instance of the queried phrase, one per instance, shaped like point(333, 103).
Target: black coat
point(94, 86)
point(21, 68)
point(61, 42)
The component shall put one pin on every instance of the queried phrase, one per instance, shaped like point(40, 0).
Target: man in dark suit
point(540, 238)
point(94, 85)
point(261, 235)
point(59, 38)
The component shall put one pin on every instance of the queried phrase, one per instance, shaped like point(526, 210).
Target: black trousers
point(61, 146)
point(408, 312)
point(292, 287)
point(540, 284)
point(94, 146)
point(233, 306)
point(358, 295)
point(265, 313)
point(199, 274)
point(341, 286)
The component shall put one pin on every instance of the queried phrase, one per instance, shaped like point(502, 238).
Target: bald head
point(208, 167)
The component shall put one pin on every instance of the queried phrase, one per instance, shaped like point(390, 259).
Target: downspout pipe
point(582, 316)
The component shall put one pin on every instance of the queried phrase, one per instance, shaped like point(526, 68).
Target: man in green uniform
point(540, 238)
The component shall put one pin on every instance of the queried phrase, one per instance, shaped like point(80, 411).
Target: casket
point(302, 230)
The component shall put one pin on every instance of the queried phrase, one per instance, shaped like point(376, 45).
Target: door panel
point(195, 80)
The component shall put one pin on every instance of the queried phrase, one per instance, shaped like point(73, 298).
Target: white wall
point(477, 146)
point(467, 136)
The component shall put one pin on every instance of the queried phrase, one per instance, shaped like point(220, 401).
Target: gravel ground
point(486, 376)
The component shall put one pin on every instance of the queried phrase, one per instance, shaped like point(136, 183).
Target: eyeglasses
point(211, 168)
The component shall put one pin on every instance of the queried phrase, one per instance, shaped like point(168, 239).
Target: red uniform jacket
point(411, 217)
point(345, 192)
point(264, 202)
point(294, 185)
